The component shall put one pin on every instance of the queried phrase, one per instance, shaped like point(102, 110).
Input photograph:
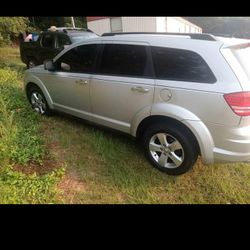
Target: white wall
point(99, 26)
point(161, 25)
point(175, 25)
point(138, 24)
point(146, 24)
point(178, 24)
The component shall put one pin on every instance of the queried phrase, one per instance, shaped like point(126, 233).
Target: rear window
point(63, 40)
point(181, 65)
point(80, 37)
point(243, 56)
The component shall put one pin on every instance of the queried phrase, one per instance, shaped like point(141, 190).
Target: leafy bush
point(7, 132)
point(24, 141)
point(10, 27)
point(19, 188)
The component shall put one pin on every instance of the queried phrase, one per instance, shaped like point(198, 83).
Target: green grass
point(102, 166)
point(21, 142)
point(112, 169)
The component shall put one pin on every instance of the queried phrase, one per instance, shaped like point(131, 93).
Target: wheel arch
point(34, 81)
point(195, 126)
point(156, 119)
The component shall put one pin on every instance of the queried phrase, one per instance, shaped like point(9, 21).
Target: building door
point(116, 24)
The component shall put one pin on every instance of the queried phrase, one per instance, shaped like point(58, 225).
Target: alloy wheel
point(38, 102)
point(166, 150)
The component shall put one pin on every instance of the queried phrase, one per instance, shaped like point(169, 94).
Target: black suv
point(50, 43)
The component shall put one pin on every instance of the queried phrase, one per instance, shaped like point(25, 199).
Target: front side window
point(48, 41)
point(181, 65)
point(124, 60)
point(80, 59)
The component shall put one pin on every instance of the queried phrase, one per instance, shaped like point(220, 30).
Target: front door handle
point(140, 89)
point(83, 82)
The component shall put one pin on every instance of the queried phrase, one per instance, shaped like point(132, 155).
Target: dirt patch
point(47, 166)
point(71, 186)
point(52, 161)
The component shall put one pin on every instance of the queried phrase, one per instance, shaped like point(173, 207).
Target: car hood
point(36, 69)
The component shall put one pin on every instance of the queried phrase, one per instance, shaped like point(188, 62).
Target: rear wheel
point(170, 148)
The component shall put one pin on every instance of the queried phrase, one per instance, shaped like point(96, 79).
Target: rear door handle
point(140, 89)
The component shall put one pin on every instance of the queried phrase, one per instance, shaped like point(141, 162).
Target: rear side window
point(181, 65)
point(48, 41)
point(80, 59)
point(124, 60)
point(63, 40)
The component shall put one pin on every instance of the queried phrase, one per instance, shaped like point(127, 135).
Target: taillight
point(239, 103)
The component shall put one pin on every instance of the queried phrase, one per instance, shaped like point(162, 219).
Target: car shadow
point(107, 131)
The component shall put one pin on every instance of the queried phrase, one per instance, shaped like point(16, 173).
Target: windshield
point(243, 56)
point(81, 37)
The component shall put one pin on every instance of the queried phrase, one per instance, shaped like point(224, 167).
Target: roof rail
point(77, 29)
point(198, 36)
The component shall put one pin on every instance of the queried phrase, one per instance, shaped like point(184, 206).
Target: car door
point(69, 84)
point(48, 44)
point(122, 85)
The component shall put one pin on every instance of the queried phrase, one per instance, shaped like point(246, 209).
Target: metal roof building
point(103, 24)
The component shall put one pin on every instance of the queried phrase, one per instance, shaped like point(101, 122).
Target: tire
point(31, 63)
point(170, 148)
point(38, 101)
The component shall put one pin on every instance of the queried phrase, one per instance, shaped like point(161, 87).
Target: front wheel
point(38, 101)
point(170, 148)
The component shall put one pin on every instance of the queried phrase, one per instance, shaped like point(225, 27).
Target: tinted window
point(80, 37)
point(48, 41)
point(63, 40)
point(181, 65)
point(124, 60)
point(80, 59)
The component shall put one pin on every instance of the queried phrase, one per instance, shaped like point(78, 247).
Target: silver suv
point(183, 95)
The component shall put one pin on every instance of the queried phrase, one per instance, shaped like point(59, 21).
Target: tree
point(11, 27)
point(43, 23)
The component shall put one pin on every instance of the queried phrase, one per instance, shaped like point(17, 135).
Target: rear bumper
point(221, 155)
point(232, 144)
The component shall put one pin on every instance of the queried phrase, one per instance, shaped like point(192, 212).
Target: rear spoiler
point(238, 46)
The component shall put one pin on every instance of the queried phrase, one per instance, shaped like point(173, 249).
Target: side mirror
point(49, 65)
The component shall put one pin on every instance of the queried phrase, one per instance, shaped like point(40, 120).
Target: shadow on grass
point(125, 164)
point(91, 126)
